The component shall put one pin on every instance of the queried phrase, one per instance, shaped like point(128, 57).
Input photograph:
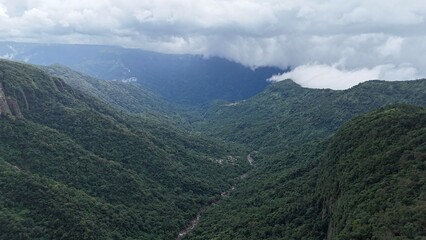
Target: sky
point(328, 44)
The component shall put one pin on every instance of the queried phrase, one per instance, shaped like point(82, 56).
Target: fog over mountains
point(188, 79)
point(366, 39)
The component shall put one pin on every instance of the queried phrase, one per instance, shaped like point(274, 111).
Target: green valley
point(366, 182)
point(85, 158)
point(116, 174)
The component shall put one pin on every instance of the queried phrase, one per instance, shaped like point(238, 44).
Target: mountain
point(71, 167)
point(373, 176)
point(286, 114)
point(188, 79)
point(130, 97)
point(366, 182)
point(290, 127)
point(81, 158)
point(126, 96)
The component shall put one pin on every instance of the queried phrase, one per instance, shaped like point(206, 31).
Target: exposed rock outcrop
point(59, 85)
point(8, 105)
point(4, 106)
point(14, 107)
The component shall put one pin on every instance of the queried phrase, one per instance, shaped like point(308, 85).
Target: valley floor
point(194, 222)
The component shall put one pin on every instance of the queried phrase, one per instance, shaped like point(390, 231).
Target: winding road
point(194, 222)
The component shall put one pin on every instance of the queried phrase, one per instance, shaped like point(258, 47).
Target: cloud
point(334, 77)
point(392, 47)
point(362, 34)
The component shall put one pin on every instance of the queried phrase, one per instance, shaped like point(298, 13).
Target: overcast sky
point(332, 43)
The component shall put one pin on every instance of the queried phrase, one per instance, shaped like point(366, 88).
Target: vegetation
point(277, 201)
point(81, 158)
point(286, 114)
point(125, 96)
point(373, 176)
point(289, 126)
point(153, 176)
point(366, 182)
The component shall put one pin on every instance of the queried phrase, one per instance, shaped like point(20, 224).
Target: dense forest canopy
point(85, 158)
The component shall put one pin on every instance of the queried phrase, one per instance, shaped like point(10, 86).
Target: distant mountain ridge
point(188, 79)
point(124, 95)
point(286, 114)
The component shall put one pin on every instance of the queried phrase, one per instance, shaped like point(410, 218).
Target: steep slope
point(128, 96)
point(366, 182)
point(186, 79)
point(134, 178)
point(374, 176)
point(53, 188)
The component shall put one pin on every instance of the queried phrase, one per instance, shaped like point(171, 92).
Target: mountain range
point(82, 157)
point(187, 79)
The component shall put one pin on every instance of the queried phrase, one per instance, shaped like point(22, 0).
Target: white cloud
point(334, 77)
point(363, 34)
point(392, 47)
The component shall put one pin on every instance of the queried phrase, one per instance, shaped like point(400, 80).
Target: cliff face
point(8, 105)
point(14, 107)
point(4, 106)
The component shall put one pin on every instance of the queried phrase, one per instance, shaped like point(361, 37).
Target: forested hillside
point(130, 97)
point(126, 96)
point(74, 168)
point(373, 176)
point(366, 182)
point(290, 125)
point(286, 114)
point(83, 158)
